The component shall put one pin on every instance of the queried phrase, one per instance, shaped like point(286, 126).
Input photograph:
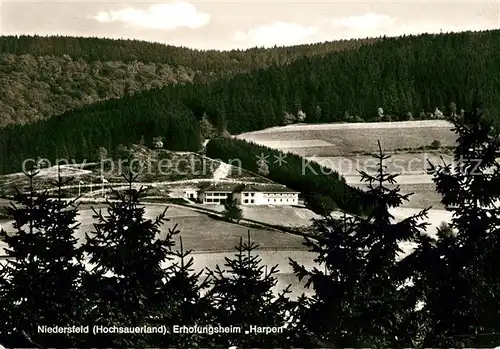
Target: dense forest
point(406, 77)
point(400, 75)
point(132, 274)
point(324, 189)
point(46, 76)
point(38, 87)
point(73, 137)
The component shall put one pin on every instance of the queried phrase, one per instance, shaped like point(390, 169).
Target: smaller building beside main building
point(265, 194)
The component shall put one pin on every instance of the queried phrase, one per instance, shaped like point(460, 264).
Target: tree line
point(366, 291)
point(93, 49)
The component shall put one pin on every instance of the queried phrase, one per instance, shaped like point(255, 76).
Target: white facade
point(268, 198)
point(190, 194)
point(251, 198)
point(214, 197)
point(249, 195)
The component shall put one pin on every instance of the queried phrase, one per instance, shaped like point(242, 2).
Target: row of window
point(251, 194)
point(246, 201)
point(215, 201)
point(280, 194)
point(281, 200)
point(218, 194)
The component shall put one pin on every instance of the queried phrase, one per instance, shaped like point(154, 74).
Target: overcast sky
point(243, 24)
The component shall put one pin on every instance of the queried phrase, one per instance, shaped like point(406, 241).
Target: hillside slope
point(46, 76)
point(394, 77)
point(38, 87)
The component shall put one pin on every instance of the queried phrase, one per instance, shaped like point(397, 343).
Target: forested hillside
point(38, 87)
point(46, 76)
point(74, 137)
point(400, 75)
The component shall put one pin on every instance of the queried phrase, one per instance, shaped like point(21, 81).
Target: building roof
point(221, 187)
point(266, 188)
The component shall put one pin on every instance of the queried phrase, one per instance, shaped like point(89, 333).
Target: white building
point(249, 194)
point(216, 194)
point(190, 193)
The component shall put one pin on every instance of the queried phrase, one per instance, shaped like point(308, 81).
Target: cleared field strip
point(274, 215)
point(359, 125)
point(332, 146)
point(349, 138)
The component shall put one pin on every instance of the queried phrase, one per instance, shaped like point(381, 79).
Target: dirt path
point(222, 171)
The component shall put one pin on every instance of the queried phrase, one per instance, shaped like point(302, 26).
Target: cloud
point(364, 22)
point(374, 25)
point(158, 16)
point(279, 33)
point(419, 28)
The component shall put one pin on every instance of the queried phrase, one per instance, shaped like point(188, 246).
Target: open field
point(411, 167)
point(424, 195)
point(212, 240)
point(275, 248)
point(201, 233)
point(276, 215)
point(342, 139)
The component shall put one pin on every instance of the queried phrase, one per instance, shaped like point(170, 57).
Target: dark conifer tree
point(461, 280)
point(43, 274)
point(358, 299)
point(184, 303)
point(323, 319)
point(135, 280)
point(384, 279)
point(243, 296)
point(126, 268)
point(206, 128)
point(232, 210)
